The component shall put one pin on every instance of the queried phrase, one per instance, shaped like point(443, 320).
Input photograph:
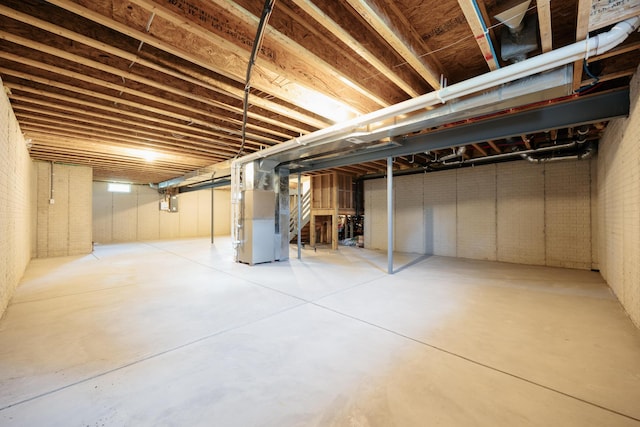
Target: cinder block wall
point(64, 226)
point(135, 216)
point(17, 211)
point(619, 208)
point(513, 212)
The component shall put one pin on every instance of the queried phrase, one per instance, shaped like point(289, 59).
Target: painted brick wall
point(375, 223)
point(521, 204)
point(476, 230)
point(64, 226)
point(409, 234)
point(17, 209)
point(513, 212)
point(568, 214)
point(440, 213)
point(618, 216)
point(135, 216)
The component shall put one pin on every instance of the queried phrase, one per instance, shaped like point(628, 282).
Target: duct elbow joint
point(456, 153)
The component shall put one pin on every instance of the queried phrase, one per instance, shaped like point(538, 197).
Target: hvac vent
point(519, 36)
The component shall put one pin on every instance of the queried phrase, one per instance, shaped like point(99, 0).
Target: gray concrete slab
point(174, 333)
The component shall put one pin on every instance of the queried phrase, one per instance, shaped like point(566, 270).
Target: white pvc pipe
point(537, 64)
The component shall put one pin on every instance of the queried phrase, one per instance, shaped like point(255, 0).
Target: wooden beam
point(137, 172)
point(183, 131)
point(494, 147)
point(199, 80)
point(480, 32)
point(397, 39)
point(611, 76)
point(316, 13)
point(609, 12)
point(89, 131)
point(615, 52)
point(23, 114)
point(62, 98)
point(118, 101)
point(88, 139)
point(204, 55)
point(127, 75)
point(64, 148)
point(582, 29)
point(479, 149)
point(291, 56)
point(544, 24)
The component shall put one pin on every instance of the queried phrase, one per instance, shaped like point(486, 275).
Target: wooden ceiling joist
point(608, 77)
point(178, 130)
point(582, 30)
point(479, 149)
point(480, 32)
point(399, 39)
point(343, 35)
point(290, 54)
point(100, 82)
point(200, 80)
point(495, 148)
point(287, 89)
point(88, 132)
point(62, 86)
point(86, 139)
point(126, 75)
point(544, 24)
point(108, 109)
point(127, 133)
point(105, 151)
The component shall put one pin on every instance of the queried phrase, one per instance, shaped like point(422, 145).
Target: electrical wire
point(450, 45)
point(262, 25)
point(596, 79)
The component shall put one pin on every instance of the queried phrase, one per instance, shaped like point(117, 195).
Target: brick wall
point(476, 221)
point(513, 212)
point(568, 214)
point(127, 217)
point(17, 212)
point(521, 209)
point(64, 226)
point(618, 216)
point(409, 224)
point(375, 225)
point(440, 213)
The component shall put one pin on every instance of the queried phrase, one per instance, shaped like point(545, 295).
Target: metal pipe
point(515, 153)
point(537, 64)
point(212, 210)
point(262, 26)
point(587, 154)
point(456, 153)
point(390, 215)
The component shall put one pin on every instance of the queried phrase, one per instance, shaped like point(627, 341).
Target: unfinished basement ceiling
point(148, 90)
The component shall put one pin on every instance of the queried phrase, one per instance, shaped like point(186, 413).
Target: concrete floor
point(174, 333)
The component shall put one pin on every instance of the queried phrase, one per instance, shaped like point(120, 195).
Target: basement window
point(115, 187)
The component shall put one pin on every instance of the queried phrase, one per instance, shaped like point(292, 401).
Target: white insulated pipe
point(537, 64)
point(456, 153)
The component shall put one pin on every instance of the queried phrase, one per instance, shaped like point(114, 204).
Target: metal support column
point(212, 205)
point(299, 215)
point(390, 215)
